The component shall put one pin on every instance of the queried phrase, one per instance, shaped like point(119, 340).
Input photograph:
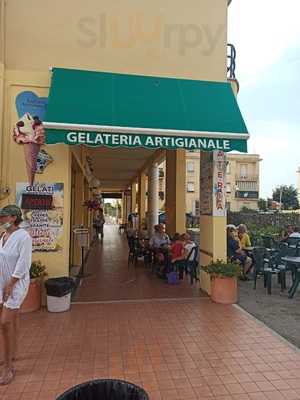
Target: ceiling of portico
point(116, 168)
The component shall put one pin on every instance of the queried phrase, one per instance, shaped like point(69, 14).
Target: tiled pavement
point(111, 279)
point(186, 349)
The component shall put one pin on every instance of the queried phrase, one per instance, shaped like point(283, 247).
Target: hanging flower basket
point(92, 205)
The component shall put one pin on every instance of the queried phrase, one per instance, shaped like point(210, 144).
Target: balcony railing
point(254, 178)
point(247, 185)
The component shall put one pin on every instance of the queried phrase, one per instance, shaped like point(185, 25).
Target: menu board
point(42, 208)
point(206, 183)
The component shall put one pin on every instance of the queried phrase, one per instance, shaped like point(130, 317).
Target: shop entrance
point(112, 279)
point(124, 182)
point(136, 120)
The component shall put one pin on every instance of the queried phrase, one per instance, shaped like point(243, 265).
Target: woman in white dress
point(15, 262)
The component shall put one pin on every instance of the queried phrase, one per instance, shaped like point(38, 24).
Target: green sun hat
point(11, 210)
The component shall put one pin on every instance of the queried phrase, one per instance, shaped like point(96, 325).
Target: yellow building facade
point(242, 182)
point(150, 39)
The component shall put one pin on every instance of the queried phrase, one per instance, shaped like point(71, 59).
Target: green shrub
point(220, 268)
point(257, 233)
point(37, 270)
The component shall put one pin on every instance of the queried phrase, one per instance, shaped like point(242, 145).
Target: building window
point(190, 187)
point(244, 170)
point(197, 207)
point(190, 166)
point(228, 168)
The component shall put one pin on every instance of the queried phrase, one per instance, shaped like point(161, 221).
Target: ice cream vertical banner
point(28, 130)
point(219, 184)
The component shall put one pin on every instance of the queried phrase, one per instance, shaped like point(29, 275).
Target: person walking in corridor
point(15, 263)
point(99, 222)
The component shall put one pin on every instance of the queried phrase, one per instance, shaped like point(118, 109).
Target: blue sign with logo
point(29, 102)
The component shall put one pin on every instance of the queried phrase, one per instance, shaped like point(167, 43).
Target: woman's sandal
point(7, 378)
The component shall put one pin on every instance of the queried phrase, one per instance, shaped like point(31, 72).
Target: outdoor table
point(294, 262)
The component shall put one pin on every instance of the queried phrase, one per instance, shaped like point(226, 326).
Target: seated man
point(236, 253)
point(159, 239)
point(160, 244)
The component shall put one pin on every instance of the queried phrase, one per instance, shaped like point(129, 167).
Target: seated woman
point(178, 254)
point(243, 236)
point(236, 253)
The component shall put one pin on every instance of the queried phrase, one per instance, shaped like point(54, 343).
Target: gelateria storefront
point(116, 128)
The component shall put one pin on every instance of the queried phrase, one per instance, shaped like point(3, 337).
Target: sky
point(266, 34)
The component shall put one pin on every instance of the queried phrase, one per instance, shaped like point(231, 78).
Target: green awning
point(117, 110)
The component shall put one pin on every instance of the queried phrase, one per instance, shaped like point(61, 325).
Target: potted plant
point(223, 281)
point(32, 300)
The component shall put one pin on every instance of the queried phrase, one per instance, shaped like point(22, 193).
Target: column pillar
point(128, 205)
point(142, 198)
point(212, 211)
point(123, 208)
point(133, 197)
point(152, 198)
point(175, 191)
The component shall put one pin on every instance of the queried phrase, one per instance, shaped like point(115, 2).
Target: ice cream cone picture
point(31, 151)
point(30, 133)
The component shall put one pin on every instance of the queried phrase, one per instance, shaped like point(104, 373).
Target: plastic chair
point(275, 262)
point(294, 243)
point(263, 267)
point(191, 264)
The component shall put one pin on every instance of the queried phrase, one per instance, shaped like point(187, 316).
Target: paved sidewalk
point(185, 349)
point(277, 311)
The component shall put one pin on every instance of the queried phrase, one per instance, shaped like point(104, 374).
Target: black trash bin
point(59, 293)
point(105, 389)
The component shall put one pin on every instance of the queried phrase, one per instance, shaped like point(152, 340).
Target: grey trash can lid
point(105, 389)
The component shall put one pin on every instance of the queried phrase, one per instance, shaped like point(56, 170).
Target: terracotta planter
point(32, 301)
point(224, 290)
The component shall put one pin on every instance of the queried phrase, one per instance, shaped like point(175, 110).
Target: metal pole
point(82, 261)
